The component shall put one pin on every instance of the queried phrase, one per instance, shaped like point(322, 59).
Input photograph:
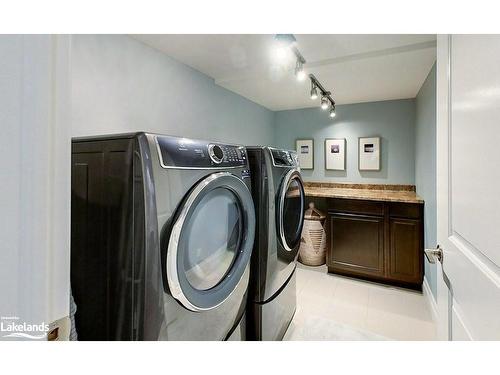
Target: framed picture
point(335, 154)
point(369, 154)
point(305, 153)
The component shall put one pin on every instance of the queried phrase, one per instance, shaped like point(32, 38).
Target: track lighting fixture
point(326, 96)
point(288, 43)
point(314, 91)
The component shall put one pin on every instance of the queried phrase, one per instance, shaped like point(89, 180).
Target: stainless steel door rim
point(292, 174)
point(238, 187)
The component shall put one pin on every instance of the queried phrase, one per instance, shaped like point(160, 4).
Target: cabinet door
point(357, 244)
point(405, 252)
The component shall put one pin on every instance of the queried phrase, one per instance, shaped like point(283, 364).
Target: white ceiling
point(356, 68)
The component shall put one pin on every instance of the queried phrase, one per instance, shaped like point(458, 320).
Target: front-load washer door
point(291, 202)
point(210, 242)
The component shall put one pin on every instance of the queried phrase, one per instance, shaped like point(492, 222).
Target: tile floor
point(331, 307)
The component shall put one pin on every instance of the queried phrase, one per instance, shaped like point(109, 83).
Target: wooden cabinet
point(358, 241)
point(405, 260)
point(382, 241)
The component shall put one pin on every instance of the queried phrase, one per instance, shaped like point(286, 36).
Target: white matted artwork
point(335, 154)
point(369, 154)
point(305, 153)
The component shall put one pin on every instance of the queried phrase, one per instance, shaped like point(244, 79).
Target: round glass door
point(292, 211)
point(211, 242)
point(211, 239)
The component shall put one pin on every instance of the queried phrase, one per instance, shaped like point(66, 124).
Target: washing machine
point(162, 236)
point(278, 194)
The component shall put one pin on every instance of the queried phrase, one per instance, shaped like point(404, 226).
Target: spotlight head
point(282, 48)
point(314, 93)
point(332, 112)
point(324, 103)
point(299, 71)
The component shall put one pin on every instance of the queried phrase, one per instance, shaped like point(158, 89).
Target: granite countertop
point(385, 193)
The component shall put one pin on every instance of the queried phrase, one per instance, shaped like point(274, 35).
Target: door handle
point(434, 255)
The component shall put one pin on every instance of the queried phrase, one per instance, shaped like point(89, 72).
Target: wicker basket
point(313, 242)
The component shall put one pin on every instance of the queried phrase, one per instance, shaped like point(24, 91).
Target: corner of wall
point(425, 175)
point(275, 127)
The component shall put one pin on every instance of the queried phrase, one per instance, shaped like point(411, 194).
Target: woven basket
point(313, 242)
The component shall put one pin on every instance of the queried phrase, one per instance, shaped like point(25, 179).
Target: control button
point(216, 154)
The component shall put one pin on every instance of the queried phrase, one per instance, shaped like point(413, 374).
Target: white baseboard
point(426, 289)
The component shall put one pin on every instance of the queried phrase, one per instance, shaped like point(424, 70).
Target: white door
point(468, 186)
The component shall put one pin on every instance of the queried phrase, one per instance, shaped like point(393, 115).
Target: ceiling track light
point(289, 42)
point(326, 97)
point(299, 65)
point(324, 102)
point(332, 111)
point(314, 91)
point(299, 71)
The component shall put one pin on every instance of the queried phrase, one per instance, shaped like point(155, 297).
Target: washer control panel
point(190, 153)
point(234, 154)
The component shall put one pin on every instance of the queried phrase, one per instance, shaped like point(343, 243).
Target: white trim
point(431, 301)
point(36, 149)
point(442, 145)
point(60, 180)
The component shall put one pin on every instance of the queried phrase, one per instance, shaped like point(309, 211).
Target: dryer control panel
point(191, 153)
point(284, 158)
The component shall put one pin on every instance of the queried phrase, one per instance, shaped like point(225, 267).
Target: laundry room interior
point(234, 187)
point(244, 89)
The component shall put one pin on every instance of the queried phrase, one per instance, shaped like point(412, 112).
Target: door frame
point(442, 140)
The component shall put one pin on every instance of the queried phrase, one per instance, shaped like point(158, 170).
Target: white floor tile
point(331, 307)
point(348, 313)
point(399, 327)
point(352, 292)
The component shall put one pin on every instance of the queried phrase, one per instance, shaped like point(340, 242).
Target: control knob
point(216, 153)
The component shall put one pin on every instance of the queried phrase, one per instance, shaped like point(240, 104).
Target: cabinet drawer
point(355, 206)
point(406, 210)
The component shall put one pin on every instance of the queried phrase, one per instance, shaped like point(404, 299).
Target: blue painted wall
point(425, 164)
point(121, 85)
point(392, 120)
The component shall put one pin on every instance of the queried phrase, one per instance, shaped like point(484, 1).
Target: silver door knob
point(434, 255)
